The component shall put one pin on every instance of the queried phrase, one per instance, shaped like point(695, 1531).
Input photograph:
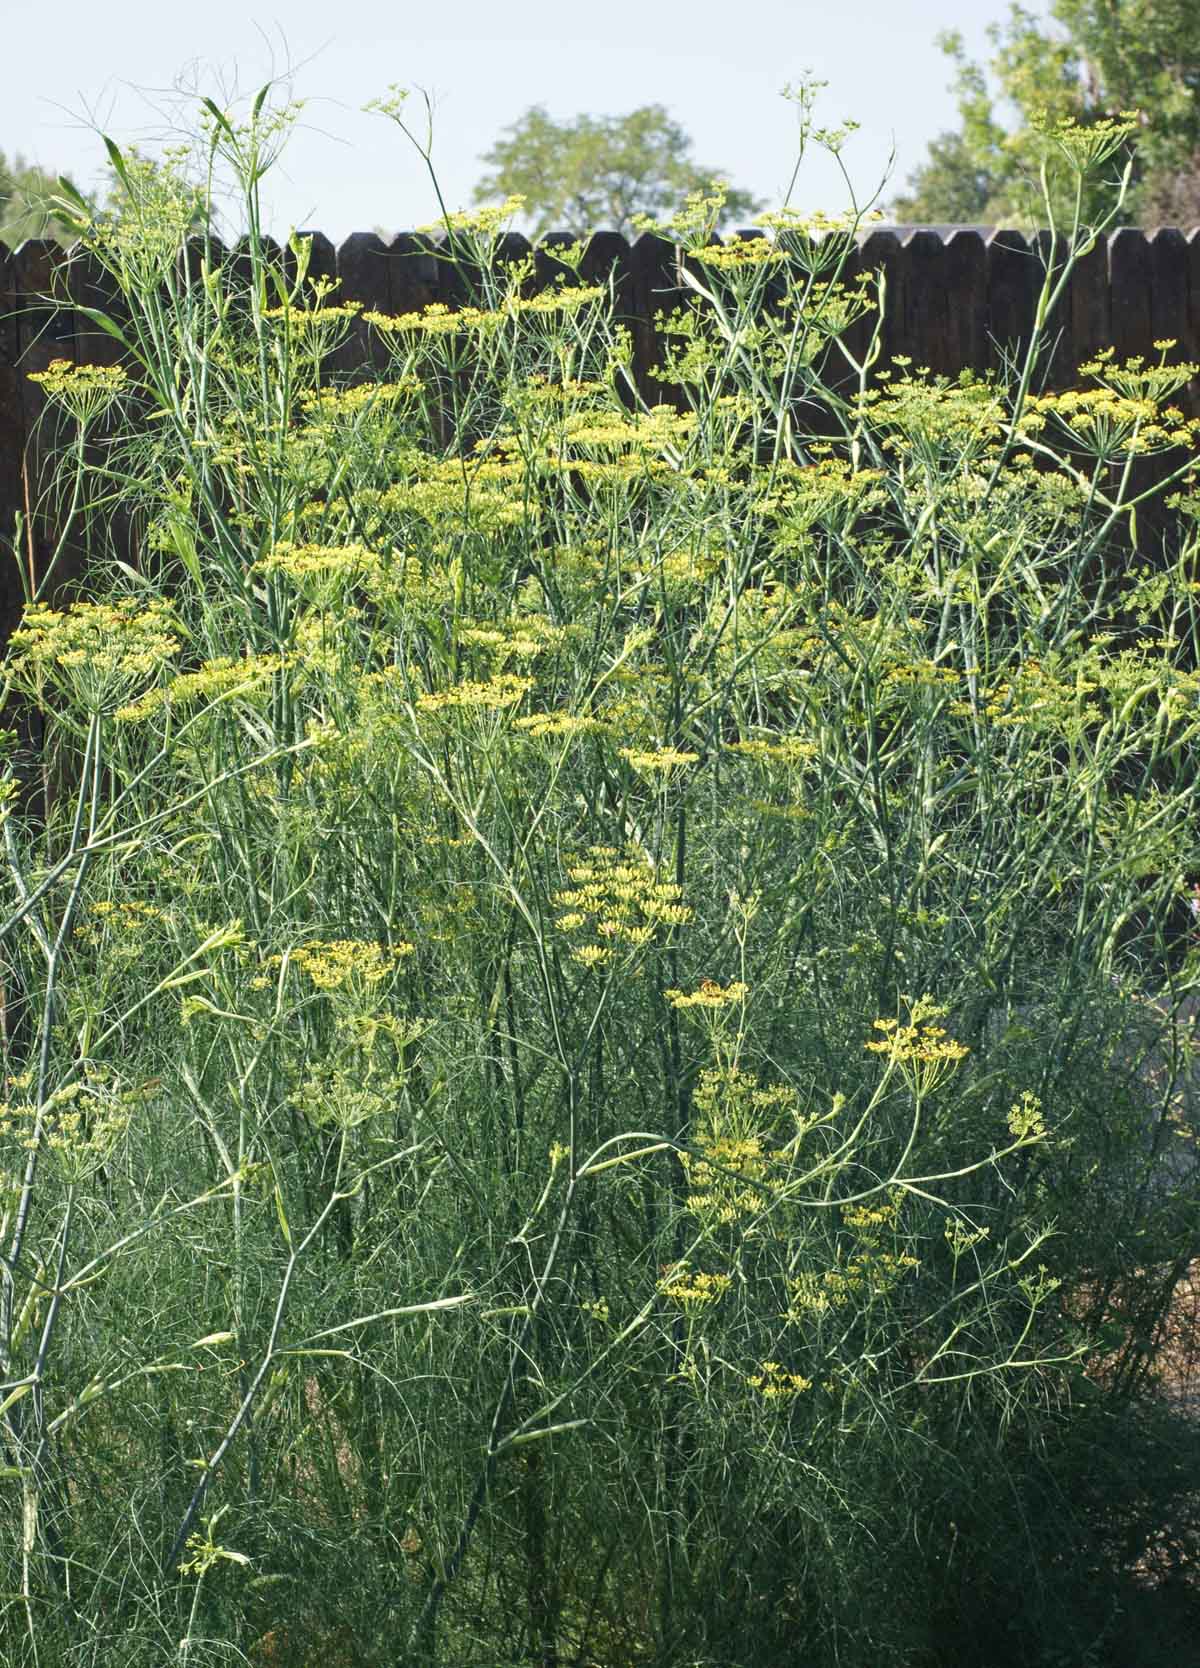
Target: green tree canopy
point(26, 203)
point(596, 172)
point(1104, 57)
point(33, 203)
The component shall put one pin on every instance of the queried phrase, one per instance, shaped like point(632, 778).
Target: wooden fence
point(957, 296)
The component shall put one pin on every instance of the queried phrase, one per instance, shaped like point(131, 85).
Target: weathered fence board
point(12, 426)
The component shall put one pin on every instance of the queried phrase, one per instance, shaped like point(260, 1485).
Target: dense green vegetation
point(1099, 60)
point(26, 206)
point(579, 1085)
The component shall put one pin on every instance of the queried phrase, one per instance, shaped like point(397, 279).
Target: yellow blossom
point(664, 759)
point(96, 652)
point(84, 391)
point(503, 691)
point(334, 963)
point(775, 1383)
point(709, 995)
point(693, 1291)
point(922, 1051)
point(211, 681)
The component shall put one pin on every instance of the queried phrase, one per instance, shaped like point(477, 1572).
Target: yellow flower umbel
point(438, 320)
point(1124, 414)
point(557, 726)
point(753, 252)
point(738, 1168)
point(318, 328)
point(332, 963)
point(320, 573)
point(774, 1383)
point(496, 695)
point(343, 406)
point(875, 1264)
point(657, 761)
point(79, 1125)
point(300, 561)
point(95, 653)
point(709, 995)
point(85, 392)
point(620, 900)
point(922, 1052)
point(693, 1291)
point(212, 682)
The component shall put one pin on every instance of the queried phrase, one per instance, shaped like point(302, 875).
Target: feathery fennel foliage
point(580, 1084)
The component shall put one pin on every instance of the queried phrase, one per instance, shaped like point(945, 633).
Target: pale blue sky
point(718, 67)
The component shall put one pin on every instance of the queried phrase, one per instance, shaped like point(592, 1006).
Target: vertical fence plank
point(364, 270)
point(856, 339)
point(322, 260)
point(966, 279)
point(512, 247)
point(879, 252)
point(46, 332)
point(1013, 270)
point(87, 285)
point(412, 272)
point(1170, 319)
point(457, 281)
point(1192, 286)
point(322, 264)
point(1167, 253)
point(927, 303)
point(1053, 369)
point(12, 442)
point(606, 259)
point(654, 289)
point(609, 252)
point(823, 356)
point(1169, 290)
point(1089, 314)
point(1129, 287)
point(547, 268)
